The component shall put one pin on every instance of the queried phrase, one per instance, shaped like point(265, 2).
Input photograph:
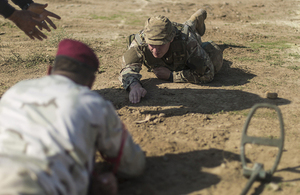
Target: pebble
point(271, 95)
point(275, 187)
point(162, 115)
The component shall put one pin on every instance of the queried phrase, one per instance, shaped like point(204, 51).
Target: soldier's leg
point(215, 54)
point(196, 21)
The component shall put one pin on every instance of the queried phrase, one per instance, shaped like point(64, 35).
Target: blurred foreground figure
point(51, 128)
point(31, 15)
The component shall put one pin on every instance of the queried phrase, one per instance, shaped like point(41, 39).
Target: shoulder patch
point(132, 56)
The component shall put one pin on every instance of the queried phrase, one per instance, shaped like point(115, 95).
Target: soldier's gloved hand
point(136, 92)
point(162, 73)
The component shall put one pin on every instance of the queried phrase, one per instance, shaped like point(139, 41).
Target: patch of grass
point(274, 59)
point(101, 69)
point(57, 36)
point(4, 46)
point(86, 41)
point(35, 59)
point(239, 112)
point(259, 84)
point(8, 24)
point(268, 114)
point(294, 67)
point(294, 55)
point(112, 17)
point(28, 61)
point(281, 45)
point(135, 22)
point(242, 59)
point(277, 63)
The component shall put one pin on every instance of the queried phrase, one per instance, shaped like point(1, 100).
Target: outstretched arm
point(130, 74)
point(32, 15)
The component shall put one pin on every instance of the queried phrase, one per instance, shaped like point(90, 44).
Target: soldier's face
point(158, 51)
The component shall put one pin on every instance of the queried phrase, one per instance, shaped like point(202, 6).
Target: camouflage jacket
point(186, 58)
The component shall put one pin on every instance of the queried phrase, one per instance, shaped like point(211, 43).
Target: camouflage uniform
point(50, 129)
point(186, 58)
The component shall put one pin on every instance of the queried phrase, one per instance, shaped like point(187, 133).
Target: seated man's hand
point(43, 15)
point(136, 92)
point(105, 183)
point(162, 73)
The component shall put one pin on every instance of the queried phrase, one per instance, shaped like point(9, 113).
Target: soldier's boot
point(215, 54)
point(198, 18)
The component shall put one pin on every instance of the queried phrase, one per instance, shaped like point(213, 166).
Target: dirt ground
point(191, 134)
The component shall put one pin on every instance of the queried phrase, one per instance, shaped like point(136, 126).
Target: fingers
point(51, 23)
point(135, 95)
point(40, 9)
point(44, 25)
point(40, 14)
point(53, 15)
point(44, 16)
point(34, 15)
point(36, 34)
point(144, 92)
point(39, 35)
point(134, 98)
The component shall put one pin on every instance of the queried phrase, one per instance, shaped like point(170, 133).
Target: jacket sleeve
point(116, 145)
point(131, 66)
point(22, 3)
point(199, 67)
point(6, 10)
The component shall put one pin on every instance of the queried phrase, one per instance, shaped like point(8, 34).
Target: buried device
point(257, 172)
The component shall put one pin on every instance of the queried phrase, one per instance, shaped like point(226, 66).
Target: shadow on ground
point(177, 173)
point(228, 76)
point(177, 102)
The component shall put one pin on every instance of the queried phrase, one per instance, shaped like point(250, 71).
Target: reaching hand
point(162, 73)
point(136, 92)
point(26, 22)
point(43, 14)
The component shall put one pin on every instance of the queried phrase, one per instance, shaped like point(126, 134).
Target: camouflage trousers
point(212, 49)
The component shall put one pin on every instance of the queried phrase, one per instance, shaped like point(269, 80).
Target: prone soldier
point(173, 52)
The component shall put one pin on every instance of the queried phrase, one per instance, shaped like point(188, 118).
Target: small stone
point(271, 95)
point(166, 10)
point(223, 165)
point(162, 115)
point(275, 187)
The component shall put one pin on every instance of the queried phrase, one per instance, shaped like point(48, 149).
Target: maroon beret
point(79, 52)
